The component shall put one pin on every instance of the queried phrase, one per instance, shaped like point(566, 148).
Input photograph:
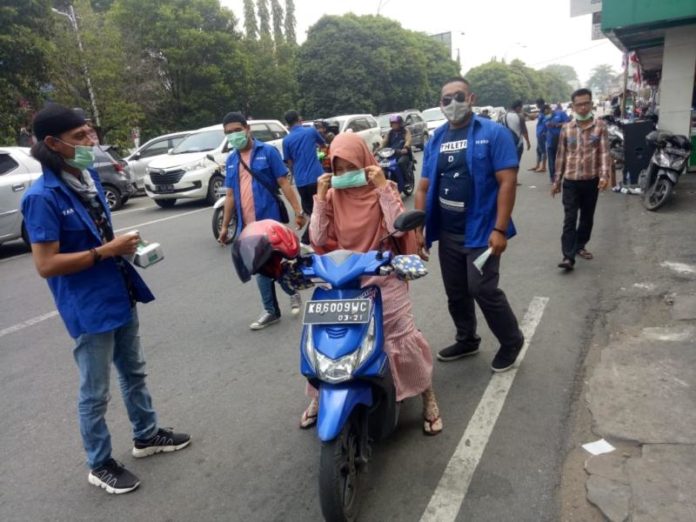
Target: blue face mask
point(350, 179)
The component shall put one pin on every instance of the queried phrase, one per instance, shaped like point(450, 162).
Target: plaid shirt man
point(583, 153)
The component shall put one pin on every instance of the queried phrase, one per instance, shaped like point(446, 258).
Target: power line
point(569, 54)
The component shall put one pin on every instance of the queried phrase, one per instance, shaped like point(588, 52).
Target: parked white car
point(149, 152)
point(18, 170)
point(186, 172)
point(364, 125)
point(434, 118)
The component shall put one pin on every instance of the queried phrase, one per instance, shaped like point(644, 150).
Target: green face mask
point(350, 179)
point(237, 140)
point(586, 117)
point(84, 157)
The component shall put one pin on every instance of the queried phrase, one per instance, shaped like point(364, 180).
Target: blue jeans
point(93, 354)
point(268, 294)
point(551, 149)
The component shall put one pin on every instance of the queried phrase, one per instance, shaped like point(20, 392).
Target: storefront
point(663, 35)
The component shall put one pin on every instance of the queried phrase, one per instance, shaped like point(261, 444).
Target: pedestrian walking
point(95, 289)
point(515, 121)
point(540, 138)
point(553, 123)
point(254, 173)
point(468, 190)
point(300, 152)
point(584, 168)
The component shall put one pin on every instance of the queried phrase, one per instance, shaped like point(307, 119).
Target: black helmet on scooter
point(261, 248)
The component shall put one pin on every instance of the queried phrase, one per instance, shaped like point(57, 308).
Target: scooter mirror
point(409, 220)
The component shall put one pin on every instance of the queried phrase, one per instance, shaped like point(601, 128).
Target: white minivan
point(364, 125)
point(187, 173)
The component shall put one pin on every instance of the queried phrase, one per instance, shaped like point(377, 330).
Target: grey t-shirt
point(515, 122)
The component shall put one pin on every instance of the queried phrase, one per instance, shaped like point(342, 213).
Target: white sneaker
point(264, 320)
point(295, 304)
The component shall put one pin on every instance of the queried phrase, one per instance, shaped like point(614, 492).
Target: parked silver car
point(18, 170)
point(150, 151)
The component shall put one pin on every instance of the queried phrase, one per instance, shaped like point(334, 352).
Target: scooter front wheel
point(339, 474)
point(658, 194)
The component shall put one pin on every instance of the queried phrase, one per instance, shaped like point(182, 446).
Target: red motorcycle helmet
point(261, 247)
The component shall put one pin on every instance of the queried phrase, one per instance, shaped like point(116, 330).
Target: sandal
point(309, 416)
point(585, 254)
point(432, 422)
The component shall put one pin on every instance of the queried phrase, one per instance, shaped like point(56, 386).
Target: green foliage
point(499, 84)
point(250, 27)
point(565, 72)
point(602, 78)
point(290, 22)
point(264, 18)
point(277, 12)
point(368, 64)
point(24, 62)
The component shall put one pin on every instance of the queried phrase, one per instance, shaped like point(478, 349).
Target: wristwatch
point(96, 256)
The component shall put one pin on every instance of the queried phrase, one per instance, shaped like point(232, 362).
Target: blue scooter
point(342, 356)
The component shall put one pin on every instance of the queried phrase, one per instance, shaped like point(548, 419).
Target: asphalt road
point(239, 393)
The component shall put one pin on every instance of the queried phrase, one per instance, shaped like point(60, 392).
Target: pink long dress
point(409, 354)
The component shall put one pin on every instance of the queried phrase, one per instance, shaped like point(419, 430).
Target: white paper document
point(598, 447)
point(481, 260)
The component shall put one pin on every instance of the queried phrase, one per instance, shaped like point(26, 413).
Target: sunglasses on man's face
point(458, 96)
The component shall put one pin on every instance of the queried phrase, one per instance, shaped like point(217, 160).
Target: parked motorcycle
point(616, 141)
point(667, 163)
point(388, 160)
point(219, 210)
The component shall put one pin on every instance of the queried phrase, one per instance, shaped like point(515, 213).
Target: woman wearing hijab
point(354, 214)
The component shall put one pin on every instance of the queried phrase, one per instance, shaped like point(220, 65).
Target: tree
point(264, 18)
point(24, 73)
point(602, 78)
point(565, 72)
point(390, 68)
point(495, 83)
point(250, 27)
point(290, 34)
point(277, 13)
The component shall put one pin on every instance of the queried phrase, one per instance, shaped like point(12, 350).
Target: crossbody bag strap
point(263, 182)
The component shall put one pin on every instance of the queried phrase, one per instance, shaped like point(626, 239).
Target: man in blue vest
point(554, 123)
point(254, 173)
point(467, 189)
point(95, 289)
point(300, 154)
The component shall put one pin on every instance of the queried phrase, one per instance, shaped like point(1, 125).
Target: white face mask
point(456, 112)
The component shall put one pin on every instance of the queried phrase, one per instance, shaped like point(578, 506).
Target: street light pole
point(73, 22)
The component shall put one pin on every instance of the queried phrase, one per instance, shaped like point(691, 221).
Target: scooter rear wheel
point(339, 474)
point(217, 225)
point(658, 194)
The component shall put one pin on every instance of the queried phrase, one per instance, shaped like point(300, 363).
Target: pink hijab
point(356, 214)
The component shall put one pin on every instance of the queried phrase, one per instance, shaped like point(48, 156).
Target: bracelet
point(96, 256)
point(499, 231)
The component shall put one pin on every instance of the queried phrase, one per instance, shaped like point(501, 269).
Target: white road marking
point(29, 322)
point(447, 499)
point(207, 209)
point(131, 210)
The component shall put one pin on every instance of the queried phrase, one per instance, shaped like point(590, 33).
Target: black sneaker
point(505, 358)
point(459, 350)
point(163, 442)
point(113, 477)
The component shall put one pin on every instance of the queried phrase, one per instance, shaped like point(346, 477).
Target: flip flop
point(307, 420)
point(585, 254)
point(432, 427)
point(566, 264)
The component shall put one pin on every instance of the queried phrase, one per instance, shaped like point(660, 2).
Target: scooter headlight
point(339, 370)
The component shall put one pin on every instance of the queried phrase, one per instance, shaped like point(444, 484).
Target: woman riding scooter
point(355, 214)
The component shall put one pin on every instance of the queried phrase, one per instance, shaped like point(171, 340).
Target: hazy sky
point(538, 32)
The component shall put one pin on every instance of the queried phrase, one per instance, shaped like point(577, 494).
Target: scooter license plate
point(338, 311)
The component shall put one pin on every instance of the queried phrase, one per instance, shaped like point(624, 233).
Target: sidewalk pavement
point(642, 390)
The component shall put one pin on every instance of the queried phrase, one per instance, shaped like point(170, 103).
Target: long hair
point(49, 159)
